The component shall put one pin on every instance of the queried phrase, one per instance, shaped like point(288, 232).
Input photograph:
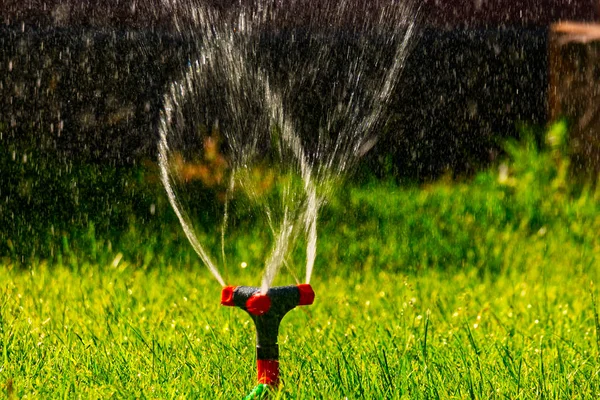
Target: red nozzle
point(268, 371)
point(307, 294)
point(258, 304)
point(227, 296)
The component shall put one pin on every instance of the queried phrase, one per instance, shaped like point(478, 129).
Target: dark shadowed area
point(85, 79)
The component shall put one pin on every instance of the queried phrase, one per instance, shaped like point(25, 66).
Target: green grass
point(122, 331)
point(475, 289)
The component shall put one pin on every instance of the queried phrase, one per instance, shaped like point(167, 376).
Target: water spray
point(297, 90)
point(267, 310)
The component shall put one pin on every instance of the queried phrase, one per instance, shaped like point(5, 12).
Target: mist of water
point(300, 86)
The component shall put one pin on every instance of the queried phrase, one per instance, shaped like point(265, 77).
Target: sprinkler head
point(267, 310)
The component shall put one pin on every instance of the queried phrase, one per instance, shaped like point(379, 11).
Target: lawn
point(482, 288)
point(118, 330)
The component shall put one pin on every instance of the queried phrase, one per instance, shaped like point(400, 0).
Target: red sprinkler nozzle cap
point(227, 296)
point(307, 294)
point(258, 304)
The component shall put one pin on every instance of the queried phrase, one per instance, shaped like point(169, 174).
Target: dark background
point(81, 85)
point(157, 13)
point(85, 80)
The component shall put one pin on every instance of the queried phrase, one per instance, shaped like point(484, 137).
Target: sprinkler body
point(267, 311)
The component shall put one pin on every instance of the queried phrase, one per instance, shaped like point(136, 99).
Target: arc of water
point(310, 212)
point(284, 233)
point(389, 82)
point(167, 178)
point(346, 147)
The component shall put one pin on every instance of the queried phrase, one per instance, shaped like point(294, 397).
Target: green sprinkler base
point(259, 392)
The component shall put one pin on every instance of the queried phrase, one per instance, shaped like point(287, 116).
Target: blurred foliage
point(47, 202)
point(527, 205)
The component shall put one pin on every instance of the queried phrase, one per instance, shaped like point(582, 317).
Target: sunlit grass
point(121, 331)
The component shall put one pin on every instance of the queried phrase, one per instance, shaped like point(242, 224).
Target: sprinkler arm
point(267, 311)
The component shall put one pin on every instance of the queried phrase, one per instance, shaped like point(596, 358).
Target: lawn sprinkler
point(267, 310)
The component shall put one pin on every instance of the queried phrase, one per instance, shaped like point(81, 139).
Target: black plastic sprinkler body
point(267, 311)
